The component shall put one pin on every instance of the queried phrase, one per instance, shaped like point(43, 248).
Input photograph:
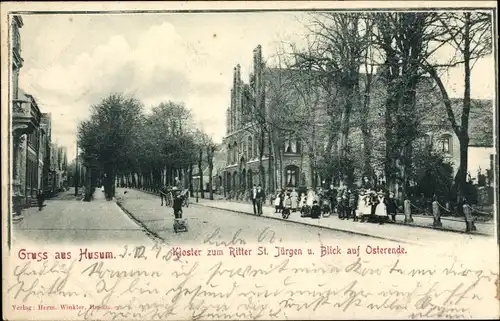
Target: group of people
point(360, 205)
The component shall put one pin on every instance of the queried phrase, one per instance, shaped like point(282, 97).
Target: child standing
point(285, 213)
point(177, 203)
point(277, 202)
point(392, 206)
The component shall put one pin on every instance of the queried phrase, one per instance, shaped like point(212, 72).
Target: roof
point(480, 121)
point(219, 162)
point(432, 110)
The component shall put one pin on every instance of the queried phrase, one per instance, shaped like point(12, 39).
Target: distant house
point(481, 147)
point(219, 163)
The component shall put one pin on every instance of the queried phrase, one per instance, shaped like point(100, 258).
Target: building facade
point(288, 160)
point(45, 151)
point(28, 153)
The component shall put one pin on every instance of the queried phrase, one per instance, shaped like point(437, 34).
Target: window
point(244, 147)
point(291, 146)
point(427, 141)
point(445, 144)
point(250, 147)
point(292, 175)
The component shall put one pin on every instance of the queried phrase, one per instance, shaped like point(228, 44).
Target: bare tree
point(470, 33)
point(299, 100)
point(210, 150)
point(339, 43)
point(404, 39)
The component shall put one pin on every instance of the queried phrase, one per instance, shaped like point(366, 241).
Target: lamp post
point(197, 194)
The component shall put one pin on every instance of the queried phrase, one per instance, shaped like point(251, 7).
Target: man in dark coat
point(253, 196)
point(392, 206)
point(353, 203)
point(259, 199)
point(332, 196)
point(40, 198)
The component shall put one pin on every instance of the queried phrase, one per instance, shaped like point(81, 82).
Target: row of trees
point(333, 83)
point(144, 150)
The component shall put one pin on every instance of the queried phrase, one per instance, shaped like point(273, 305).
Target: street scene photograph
point(218, 127)
point(195, 161)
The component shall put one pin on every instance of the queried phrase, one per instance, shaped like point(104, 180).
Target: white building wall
point(479, 158)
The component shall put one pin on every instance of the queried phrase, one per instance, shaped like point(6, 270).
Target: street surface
point(211, 225)
point(67, 220)
point(141, 219)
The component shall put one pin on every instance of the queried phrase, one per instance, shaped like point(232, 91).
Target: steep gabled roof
point(480, 121)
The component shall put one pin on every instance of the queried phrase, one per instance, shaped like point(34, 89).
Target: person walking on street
point(40, 198)
point(259, 199)
point(254, 199)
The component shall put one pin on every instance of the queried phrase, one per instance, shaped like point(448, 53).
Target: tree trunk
point(200, 174)
point(191, 189)
point(210, 181)
point(367, 138)
point(464, 128)
point(270, 169)
point(262, 169)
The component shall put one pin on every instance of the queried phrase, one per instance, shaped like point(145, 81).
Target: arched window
point(292, 176)
point(292, 146)
point(243, 147)
point(250, 148)
point(235, 153)
point(445, 144)
point(427, 141)
point(229, 154)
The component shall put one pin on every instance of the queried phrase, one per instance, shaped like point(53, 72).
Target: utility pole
point(77, 171)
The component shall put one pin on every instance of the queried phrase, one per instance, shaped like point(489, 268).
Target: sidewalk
point(74, 221)
point(450, 223)
point(420, 229)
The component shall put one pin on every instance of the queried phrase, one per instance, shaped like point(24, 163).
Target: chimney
point(258, 52)
point(255, 61)
point(238, 72)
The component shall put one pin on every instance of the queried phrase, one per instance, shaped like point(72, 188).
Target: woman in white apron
point(302, 201)
point(381, 209)
point(361, 206)
point(310, 198)
point(367, 208)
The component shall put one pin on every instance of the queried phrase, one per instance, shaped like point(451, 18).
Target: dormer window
point(445, 144)
point(292, 146)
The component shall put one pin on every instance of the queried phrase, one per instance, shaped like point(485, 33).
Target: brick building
point(290, 156)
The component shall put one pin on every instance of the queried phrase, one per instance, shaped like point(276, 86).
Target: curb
point(317, 226)
point(152, 235)
point(448, 230)
point(442, 229)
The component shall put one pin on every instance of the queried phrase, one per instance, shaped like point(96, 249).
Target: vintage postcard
point(249, 160)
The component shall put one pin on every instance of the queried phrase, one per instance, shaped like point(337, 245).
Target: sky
point(72, 61)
